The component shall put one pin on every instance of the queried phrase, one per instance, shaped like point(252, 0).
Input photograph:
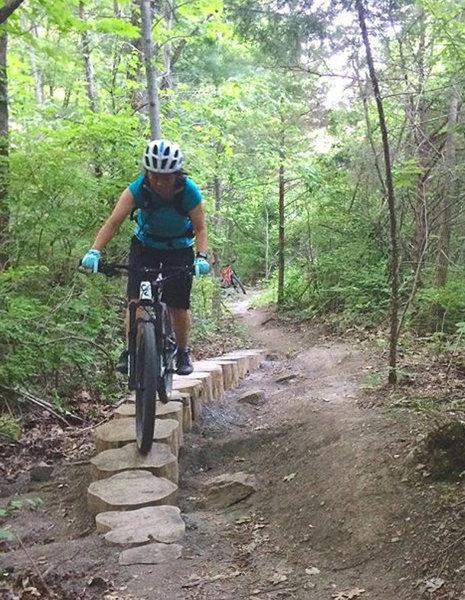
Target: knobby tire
point(147, 373)
point(237, 283)
point(166, 353)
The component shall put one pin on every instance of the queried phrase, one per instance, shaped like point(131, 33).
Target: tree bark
point(281, 240)
point(150, 70)
point(448, 199)
point(167, 80)
point(86, 44)
point(4, 153)
point(8, 9)
point(394, 244)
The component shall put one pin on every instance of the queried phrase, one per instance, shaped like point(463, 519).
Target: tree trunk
point(36, 74)
point(90, 79)
point(448, 199)
point(8, 9)
point(394, 253)
point(167, 81)
point(281, 263)
point(4, 153)
point(150, 70)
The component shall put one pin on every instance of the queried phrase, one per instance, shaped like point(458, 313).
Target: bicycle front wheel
point(147, 373)
point(167, 350)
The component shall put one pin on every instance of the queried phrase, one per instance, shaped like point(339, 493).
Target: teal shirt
point(165, 221)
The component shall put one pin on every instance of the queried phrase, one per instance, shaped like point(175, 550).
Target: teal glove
point(201, 266)
point(91, 261)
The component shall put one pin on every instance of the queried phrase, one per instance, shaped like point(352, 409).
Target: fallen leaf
point(278, 578)
point(312, 571)
point(289, 477)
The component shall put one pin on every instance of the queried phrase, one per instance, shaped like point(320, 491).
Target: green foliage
point(10, 428)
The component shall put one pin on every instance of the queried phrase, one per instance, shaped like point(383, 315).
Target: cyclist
point(170, 217)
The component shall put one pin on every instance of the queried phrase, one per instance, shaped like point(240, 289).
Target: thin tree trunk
point(394, 253)
point(4, 153)
point(167, 81)
point(281, 241)
point(150, 70)
point(449, 196)
point(36, 74)
point(86, 44)
point(8, 9)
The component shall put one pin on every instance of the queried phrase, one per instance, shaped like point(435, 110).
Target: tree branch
point(8, 9)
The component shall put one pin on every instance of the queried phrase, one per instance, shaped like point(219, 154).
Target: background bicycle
point(230, 279)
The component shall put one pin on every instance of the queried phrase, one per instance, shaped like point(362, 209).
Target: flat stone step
point(202, 366)
point(130, 490)
point(152, 524)
point(150, 554)
point(120, 432)
point(196, 391)
point(160, 461)
point(206, 380)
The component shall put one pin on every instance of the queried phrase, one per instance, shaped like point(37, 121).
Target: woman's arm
point(110, 228)
point(197, 216)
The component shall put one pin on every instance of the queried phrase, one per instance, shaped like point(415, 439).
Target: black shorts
point(176, 291)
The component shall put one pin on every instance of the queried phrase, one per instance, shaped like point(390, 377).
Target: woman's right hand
point(91, 260)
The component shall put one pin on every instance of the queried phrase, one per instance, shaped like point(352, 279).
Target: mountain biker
point(170, 217)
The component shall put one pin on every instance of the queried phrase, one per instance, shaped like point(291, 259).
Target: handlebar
point(114, 269)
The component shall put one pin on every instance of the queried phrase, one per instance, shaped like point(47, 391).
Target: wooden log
point(160, 461)
point(196, 391)
point(216, 371)
point(255, 356)
point(185, 401)
point(230, 371)
point(130, 490)
point(170, 410)
point(119, 432)
point(206, 380)
point(242, 362)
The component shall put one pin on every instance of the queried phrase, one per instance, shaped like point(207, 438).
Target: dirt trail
point(340, 512)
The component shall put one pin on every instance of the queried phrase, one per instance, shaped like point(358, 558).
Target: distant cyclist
point(170, 216)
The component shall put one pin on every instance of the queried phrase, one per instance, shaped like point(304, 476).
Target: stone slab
point(160, 461)
point(150, 554)
point(228, 489)
point(130, 490)
point(119, 432)
point(152, 524)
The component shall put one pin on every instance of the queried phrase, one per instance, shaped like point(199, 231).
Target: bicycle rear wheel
point(166, 352)
point(147, 373)
point(237, 283)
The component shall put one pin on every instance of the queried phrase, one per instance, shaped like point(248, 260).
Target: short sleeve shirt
point(164, 227)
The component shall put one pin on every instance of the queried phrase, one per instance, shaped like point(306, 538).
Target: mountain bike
point(151, 345)
point(229, 278)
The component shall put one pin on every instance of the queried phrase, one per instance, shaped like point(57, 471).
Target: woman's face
point(162, 183)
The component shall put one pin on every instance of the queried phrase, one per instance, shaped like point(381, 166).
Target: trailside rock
point(130, 490)
point(254, 397)
point(160, 461)
point(154, 523)
point(119, 432)
point(227, 489)
point(150, 554)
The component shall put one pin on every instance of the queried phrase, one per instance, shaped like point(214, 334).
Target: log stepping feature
point(130, 490)
point(160, 461)
point(133, 497)
point(119, 432)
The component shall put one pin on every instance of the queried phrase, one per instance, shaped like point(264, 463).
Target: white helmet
point(162, 156)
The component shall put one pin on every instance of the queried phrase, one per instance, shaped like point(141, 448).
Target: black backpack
point(151, 202)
